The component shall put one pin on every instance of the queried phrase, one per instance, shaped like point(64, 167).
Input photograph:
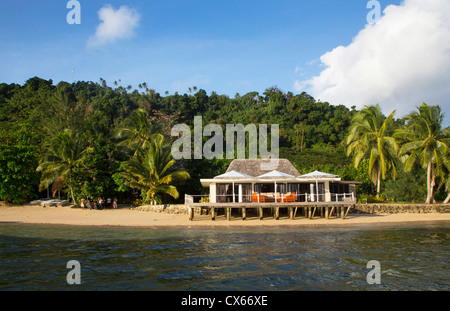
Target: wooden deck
point(309, 209)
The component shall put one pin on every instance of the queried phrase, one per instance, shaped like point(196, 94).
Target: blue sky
point(224, 46)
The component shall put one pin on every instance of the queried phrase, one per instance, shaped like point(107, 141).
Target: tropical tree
point(370, 136)
point(152, 170)
point(136, 131)
point(62, 154)
point(424, 142)
point(19, 152)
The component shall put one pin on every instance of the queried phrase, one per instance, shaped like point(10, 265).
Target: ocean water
point(34, 257)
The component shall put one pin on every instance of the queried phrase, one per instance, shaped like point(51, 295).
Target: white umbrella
point(276, 175)
point(233, 175)
point(318, 175)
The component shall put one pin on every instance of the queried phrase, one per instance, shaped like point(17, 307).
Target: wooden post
point(244, 213)
point(277, 213)
point(291, 213)
point(314, 211)
point(295, 213)
point(261, 214)
point(213, 214)
point(326, 212)
point(228, 213)
point(306, 211)
point(342, 212)
point(191, 213)
point(348, 209)
point(332, 209)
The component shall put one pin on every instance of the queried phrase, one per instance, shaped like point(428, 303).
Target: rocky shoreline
point(376, 208)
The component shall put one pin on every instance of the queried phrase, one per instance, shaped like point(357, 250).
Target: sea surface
point(35, 257)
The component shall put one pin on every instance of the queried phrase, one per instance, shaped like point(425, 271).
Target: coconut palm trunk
point(71, 192)
point(379, 183)
point(431, 182)
point(447, 200)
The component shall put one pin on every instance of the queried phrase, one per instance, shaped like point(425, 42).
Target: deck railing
point(266, 198)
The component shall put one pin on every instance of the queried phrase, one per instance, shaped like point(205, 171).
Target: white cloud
point(115, 25)
point(400, 62)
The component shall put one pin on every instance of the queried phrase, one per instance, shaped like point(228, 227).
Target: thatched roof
point(252, 167)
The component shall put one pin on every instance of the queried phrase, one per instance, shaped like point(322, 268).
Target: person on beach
point(115, 202)
point(83, 203)
point(100, 203)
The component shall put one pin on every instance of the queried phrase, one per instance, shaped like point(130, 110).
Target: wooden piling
point(213, 214)
point(309, 208)
point(348, 209)
point(191, 213)
point(314, 211)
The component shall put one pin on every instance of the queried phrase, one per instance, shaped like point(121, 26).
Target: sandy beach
point(136, 218)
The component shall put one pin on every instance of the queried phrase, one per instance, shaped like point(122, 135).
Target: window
point(224, 193)
point(338, 191)
point(246, 192)
point(314, 193)
point(301, 191)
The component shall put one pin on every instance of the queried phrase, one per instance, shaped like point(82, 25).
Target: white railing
point(271, 197)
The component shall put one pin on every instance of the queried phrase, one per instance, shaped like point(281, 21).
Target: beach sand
point(136, 218)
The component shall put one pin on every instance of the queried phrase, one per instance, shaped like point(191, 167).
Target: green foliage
point(97, 173)
point(408, 187)
point(152, 170)
point(106, 122)
point(18, 158)
point(368, 198)
point(370, 136)
point(425, 143)
point(63, 154)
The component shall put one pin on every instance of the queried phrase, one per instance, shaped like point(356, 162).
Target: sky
point(337, 51)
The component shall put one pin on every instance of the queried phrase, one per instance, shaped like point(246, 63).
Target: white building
point(245, 181)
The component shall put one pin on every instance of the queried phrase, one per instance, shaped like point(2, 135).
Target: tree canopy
point(112, 123)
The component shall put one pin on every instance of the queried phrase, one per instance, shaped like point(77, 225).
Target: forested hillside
point(312, 135)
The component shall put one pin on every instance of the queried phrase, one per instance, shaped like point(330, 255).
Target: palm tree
point(63, 153)
point(152, 170)
point(370, 136)
point(424, 141)
point(136, 130)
